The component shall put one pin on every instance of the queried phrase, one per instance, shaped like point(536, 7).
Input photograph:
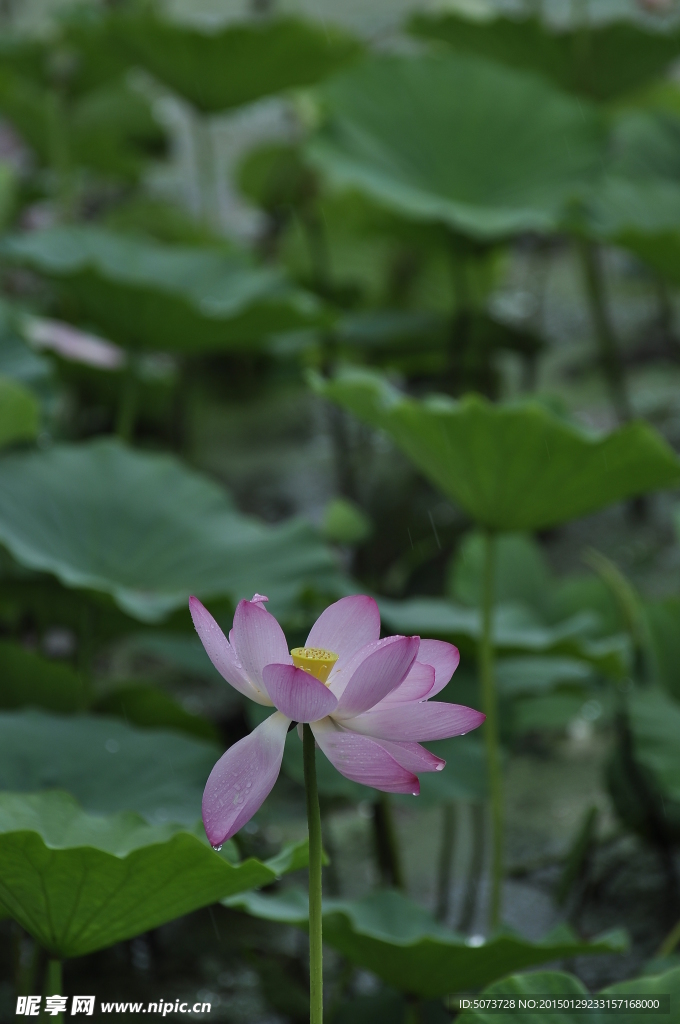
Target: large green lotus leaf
point(400, 942)
point(27, 679)
point(78, 883)
point(558, 984)
point(662, 619)
point(600, 61)
point(447, 138)
point(174, 298)
point(148, 531)
point(511, 467)
point(107, 765)
point(655, 725)
point(515, 631)
point(227, 67)
point(19, 412)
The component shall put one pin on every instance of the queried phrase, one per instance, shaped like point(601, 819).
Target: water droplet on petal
point(439, 768)
point(217, 848)
point(415, 792)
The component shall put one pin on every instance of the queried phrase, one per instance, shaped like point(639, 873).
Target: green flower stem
point(53, 985)
point(315, 855)
point(487, 676)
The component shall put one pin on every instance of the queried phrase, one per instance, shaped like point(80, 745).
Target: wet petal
point(242, 779)
point(222, 654)
point(346, 626)
point(363, 760)
point(429, 720)
point(299, 695)
point(258, 640)
point(413, 757)
point(443, 658)
point(378, 674)
point(417, 686)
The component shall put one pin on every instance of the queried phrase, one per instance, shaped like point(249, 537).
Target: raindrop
point(113, 746)
point(415, 792)
point(217, 848)
point(439, 768)
point(475, 941)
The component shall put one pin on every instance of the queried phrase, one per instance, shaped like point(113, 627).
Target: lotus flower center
point(314, 660)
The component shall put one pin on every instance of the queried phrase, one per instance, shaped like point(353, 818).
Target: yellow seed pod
point(315, 661)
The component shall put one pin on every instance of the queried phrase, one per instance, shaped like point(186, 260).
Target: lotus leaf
point(422, 136)
point(397, 940)
point(97, 515)
point(515, 631)
point(79, 883)
point(600, 61)
point(111, 130)
point(662, 619)
point(655, 724)
point(19, 413)
point(230, 66)
point(27, 679)
point(174, 298)
point(515, 466)
point(107, 765)
point(554, 983)
point(153, 708)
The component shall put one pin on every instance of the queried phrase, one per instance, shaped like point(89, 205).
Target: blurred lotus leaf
point(146, 295)
point(655, 724)
point(276, 178)
point(463, 778)
point(98, 516)
point(227, 67)
point(601, 61)
point(521, 571)
point(643, 772)
point(345, 523)
point(29, 680)
point(515, 631)
point(19, 412)
point(150, 707)
point(107, 765)
point(111, 130)
point(422, 136)
point(511, 467)
point(662, 620)
point(397, 940)
point(637, 195)
point(520, 676)
point(78, 883)
point(558, 984)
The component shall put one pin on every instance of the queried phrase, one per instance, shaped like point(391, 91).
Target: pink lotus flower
point(366, 700)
